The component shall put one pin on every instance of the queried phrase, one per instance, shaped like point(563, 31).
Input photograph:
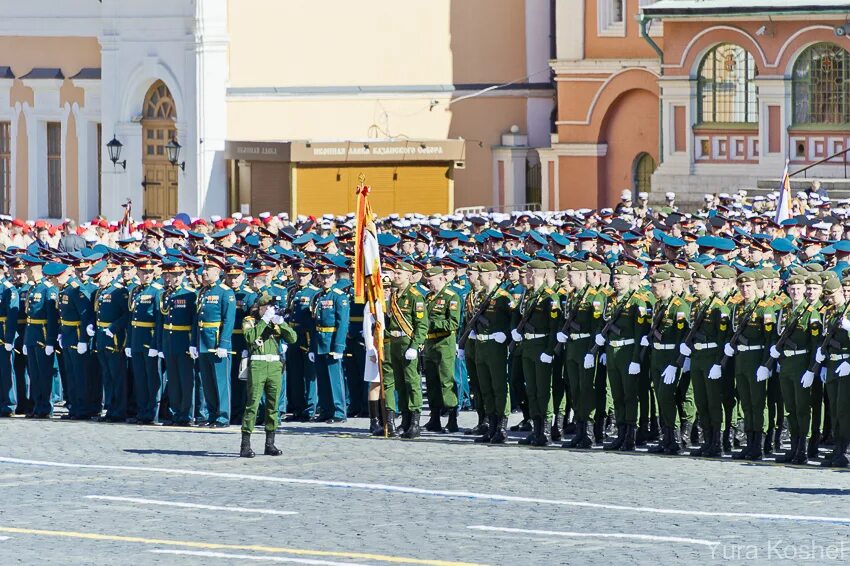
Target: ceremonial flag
point(368, 285)
point(124, 227)
point(783, 204)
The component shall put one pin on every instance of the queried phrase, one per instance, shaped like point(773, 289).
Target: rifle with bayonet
point(784, 338)
point(479, 313)
point(694, 332)
point(736, 336)
point(654, 333)
point(570, 323)
point(523, 322)
point(611, 326)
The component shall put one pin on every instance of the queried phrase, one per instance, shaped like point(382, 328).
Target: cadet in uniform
point(301, 372)
point(75, 315)
point(141, 348)
point(443, 306)
point(40, 337)
point(836, 359)
point(245, 298)
point(264, 329)
point(330, 329)
point(9, 309)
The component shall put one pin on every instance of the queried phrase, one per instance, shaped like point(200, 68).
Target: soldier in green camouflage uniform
point(836, 360)
point(443, 307)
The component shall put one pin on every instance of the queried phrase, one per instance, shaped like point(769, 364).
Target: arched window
point(822, 85)
point(725, 91)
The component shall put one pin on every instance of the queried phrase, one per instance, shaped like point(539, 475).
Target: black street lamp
point(173, 149)
point(114, 148)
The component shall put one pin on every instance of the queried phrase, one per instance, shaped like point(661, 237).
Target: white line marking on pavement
point(190, 505)
point(207, 554)
point(653, 538)
point(426, 492)
point(4, 538)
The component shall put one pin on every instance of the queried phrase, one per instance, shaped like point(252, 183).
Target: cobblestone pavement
point(87, 493)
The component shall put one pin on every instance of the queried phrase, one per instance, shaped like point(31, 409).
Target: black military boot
point(375, 428)
point(611, 424)
point(391, 431)
point(413, 430)
point(663, 443)
point(558, 428)
point(433, 424)
point(801, 457)
point(826, 461)
point(630, 439)
point(405, 422)
point(675, 444)
point(545, 436)
point(745, 452)
point(642, 435)
point(777, 439)
point(271, 449)
point(702, 449)
point(715, 448)
point(788, 457)
point(695, 434)
point(655, 429)
point(727, 439)
point(598, 430)
point(739, 434)
point(500, 434)
point(477, 429)
point(756, 452)
point(621, 437)
point(245, 451)
point(587, 440)
point(452, 424)
point(814, 443)
point(686, 434)
point(488, 430)
point(569, 427)
point(532, 436)
point(768, 442)
point(525, 424)
point(840, 460)
point(581, 432)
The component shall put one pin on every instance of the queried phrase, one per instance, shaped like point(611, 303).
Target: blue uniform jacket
point(301, 313)
point(176, 328)
point(144, 303)
point(330, 321)
point(75, 313)
point(216, 308)
point(42, 316)
point(111, 309)
point(9, 309)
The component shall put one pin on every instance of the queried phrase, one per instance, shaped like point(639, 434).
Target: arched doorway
point(158, 128)
point(644, 167)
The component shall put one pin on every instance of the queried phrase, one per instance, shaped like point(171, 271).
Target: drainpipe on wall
point(644, 33)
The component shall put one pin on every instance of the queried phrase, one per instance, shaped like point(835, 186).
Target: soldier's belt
point(209, 324)
point(73, 323)
point(397, 334)
point(579, 336)
point(704, 346)
point(483, 337)
point(621, 343)
point(174, 327)
point(140, 324)
point(355, 319)
point(238, 331)
point(39, 321)
point(838, 357)
point(533, 336)
point(657, 346)
point(789, 353)
point(326, 329)
point(2, 319)
point(437, 335)
point(742, 348)
point(265, 358)
point(104, 324)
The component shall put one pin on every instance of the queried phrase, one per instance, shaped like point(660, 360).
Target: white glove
point(545, 358)
point(153, 352)
point(59, 341)
point(561, 337)
point(774, 353)
point(48, 350)
point(808, 379)
point(193, 352)
point(714, 372)
point(634, 368)
point(823, 375)
point(277, 319)
point(108, 333)
point(589, 362)
point(221, 352)
point(644, 341)
point(600, 340)
point(244, 353)
point(728, 350)
point(336, 355)
point(686, 367)
point(411, 354)
point(819, 357)
point(516, 335)
point(684, 350)
point(90, 330)
point(845, 323)
point(461, 355)
point(9, 347)
point(284, 348)
point(603, 359)
point(669, 375)
point(472, 335)
point(82, 347)
point(161, 355)
point(499, 337)
point(128, 352)
point(268, 315)
point(762, 374)
point(311, 356)
point(843, 370)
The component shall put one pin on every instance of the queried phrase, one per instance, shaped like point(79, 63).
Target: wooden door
point(160, 176)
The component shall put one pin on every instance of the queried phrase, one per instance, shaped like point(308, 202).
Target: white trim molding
point(580, 149)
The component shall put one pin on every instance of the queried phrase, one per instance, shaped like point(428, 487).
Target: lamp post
point(173, 148)
point(114, 148)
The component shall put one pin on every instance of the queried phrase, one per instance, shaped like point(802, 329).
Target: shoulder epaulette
point(118, 284)
point(278, 285)
point(338, 291)
point(74, 284)
point(312, 287)
point(414, 290)
point(503, 293)
point(676, 301)
point(223, 286)
point(156, 285)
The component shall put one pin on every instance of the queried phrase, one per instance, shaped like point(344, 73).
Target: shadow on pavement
point(203, 453)
point(812, 490)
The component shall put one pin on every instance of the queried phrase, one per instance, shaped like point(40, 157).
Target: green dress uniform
point(406, 330)
point(541, 310)
point(837, 384)
point(664, 350)
point(471, 303)
point(490, 363)
point(439, 357)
